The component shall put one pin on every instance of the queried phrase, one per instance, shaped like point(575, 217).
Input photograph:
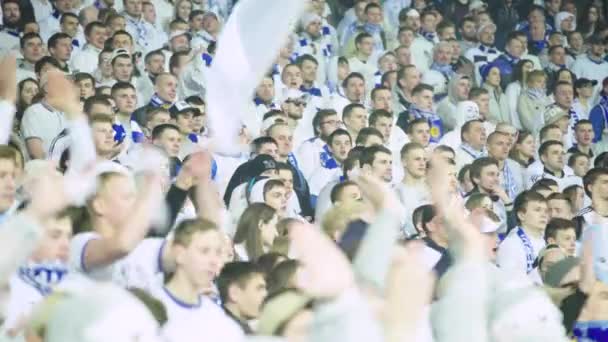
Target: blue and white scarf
point(446, 69)
point(430, 36)
point(313, 91)
point(488, 49)
point(574, 118)
point(43, 276)
point(529, 249)
point(509, 182)
point(156, 101)
point(536, 94)
point(433, 119)
point(141, 36)
point(327, 159)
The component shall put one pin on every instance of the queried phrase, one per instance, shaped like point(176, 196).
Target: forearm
point(80, 177)
point(7, 111)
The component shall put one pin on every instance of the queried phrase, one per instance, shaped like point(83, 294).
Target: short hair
point(478, 165)
point(407, 148)
point(194, 13)
point(338, 189)
point(376, 90)
point(422, 87)
point(445, 24)
point(237, 273)
point(120, 85)
point(522, 200)
point(154, 111)
point(348, 110)
point(365, 133)
point(468, 126)
point(338, 132)
point(545, 131)
point(410, 127)
point(183, 233)
point(351, 76)
point(319, 116)
point(359, 38)
point(548, 182)
point(95, 100)
point(81, 76)
point(160, 129)
point(591, 177)
point(279, 277)
point(175, 58)
point(151, 54)
point(574, 156)
point(304, 58)
point(44, 61)
point(445, 148)
point(475, 200)
point(555, 47)
point(544, 147)
point(91, 26)
point(27, 37)
point(101, 118)
point(258, 142)
point(557, 224)
point(476, 92)
point(377, 114)
point(582, 122)
point(368, 154)
point(52, 43)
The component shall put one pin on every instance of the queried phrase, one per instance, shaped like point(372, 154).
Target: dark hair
point(522, 200)
point(258, 142)
point(27, 37)
point(365, 133)
point(175, 58)
point(518, 71)
point(92, 25)
point(336, 133)
point(478, 165)
point(279, 277)
point(52, 43)
point(574, 156)
point(407, 148)
point(468, 126)
point(158, 130)
point(368, 154)
point(121, 86)
point(377, 114)
point(247, 229)
point(42, 62)
point(410, 127)
point(376, 90)
point(359, 38)
point(237, 273)
point(351, 76)
point(319, 116)
point(591, 177)
point(348, 110)
point(582, 122)
point(306, 57)
point(557, 224)
point(475, 92)
point(545, 130)
point(94, 100)
point(544, 147)
point(420, 88)
point(269, 260)
point(338, 189)
point(151, 54)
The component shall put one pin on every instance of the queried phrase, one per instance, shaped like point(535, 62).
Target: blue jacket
point(598, 116)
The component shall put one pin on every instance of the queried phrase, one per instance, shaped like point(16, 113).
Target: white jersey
point(188, 322)
point(513, 255)
point(141, 268)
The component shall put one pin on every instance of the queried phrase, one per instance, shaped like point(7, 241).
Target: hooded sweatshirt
point(447, 107)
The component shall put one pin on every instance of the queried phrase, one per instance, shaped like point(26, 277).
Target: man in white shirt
point(199, 248)
point(9, 35)
point(592, 66)
point(309, 153)
point(143, 33)
point(511, 179)
point(486, 52)
point(412, 190)
point(60, 48)
point(354, 92)
point(32, 49)
point(51, 24)
point(377, 160)
point(87, 58)
point(551, 154)
point(518, 251)
point(595, 183)
point(485, 175)
point(363, 62)
point(354, 117)
point(339, 144)
point(473, 136)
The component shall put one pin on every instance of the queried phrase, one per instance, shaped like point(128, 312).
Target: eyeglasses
point(331, 122)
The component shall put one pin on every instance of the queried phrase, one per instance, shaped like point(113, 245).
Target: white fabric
point(511, 254)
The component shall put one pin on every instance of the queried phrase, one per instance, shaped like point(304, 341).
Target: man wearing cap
point(485, 52)
point(87, 58)
point(182, 115)
point(592, 65)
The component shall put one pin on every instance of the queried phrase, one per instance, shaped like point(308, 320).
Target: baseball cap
point(293, 95)
point(412, 13)
point(180, 107)
point(280, 309)
point(261, 163)
point(179, 33)
point(553, 114)
point(558, 271)
point(119, 52)
point(583, 82)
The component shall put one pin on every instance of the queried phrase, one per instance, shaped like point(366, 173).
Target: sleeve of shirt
point(31, 124)
point(511, 256)
point(7, 110)
point(598, 121)
point(78, 247)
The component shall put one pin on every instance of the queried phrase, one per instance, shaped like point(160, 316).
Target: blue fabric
point(598, 117)
point(591, 331)
point(213, 169)
point(325, 30)
point(434, 120)
point(528, 248)
point(313, 91)
point(138, 137)
point(75, 43)
point(119, 133)
point(207, 58)
point(445, 69)
point(327, 159)
point(303, 42)
point(43, 276)
point(193, 137)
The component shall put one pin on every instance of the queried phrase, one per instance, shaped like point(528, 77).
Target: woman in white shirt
point(256, 231)
point(514, 88)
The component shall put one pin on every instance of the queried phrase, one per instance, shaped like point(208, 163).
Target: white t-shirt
point(142, 268)
point(204, 321)
point(512, 254)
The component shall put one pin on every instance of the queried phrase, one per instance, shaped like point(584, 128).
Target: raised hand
point(8, 78)
point(63, 95)
point(379, 194)
point(325, 272)
point(195, 169)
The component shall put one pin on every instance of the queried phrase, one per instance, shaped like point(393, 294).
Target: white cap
point(413, 13)
point(292, 94)
point(309, 18)
point(179, 33)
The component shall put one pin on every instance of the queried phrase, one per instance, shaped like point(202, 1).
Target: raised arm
point(8, 96)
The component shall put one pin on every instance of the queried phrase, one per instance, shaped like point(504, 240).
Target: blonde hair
point(337, 218)
point(183, 233)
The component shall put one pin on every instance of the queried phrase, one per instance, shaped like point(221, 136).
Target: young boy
point(561, 232)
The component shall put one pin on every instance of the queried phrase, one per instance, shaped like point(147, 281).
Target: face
point(62, 50)
point(415, 163)
point(276, 197)
point(599, 188)
point(558, 57)
point(566, 239)
point(383, 99)
point(413, 22)
point(328, 125)
point(284, 137)
point(404, 56)
point(443, 55)
point(201, 259)
point(126, 100)
point(357, 120)
point(265, 90)
point(559, 208)
point(249, 299)
point(156, 64)
point(382, 166)
point(343, 70)
point(584, 134)
point(70, 26)
point(385, 126)
point(421, 134)
point(133, 7)
point(448, 33)
point(564, 95)
point(292, 77)
point(374, 15)
point(535, 215)
point(494, 77)
point(180, 43)
point(103, 137)
point(576, 41)
point(314, 29)
point(350, 194)
point(8, 176)
point(270, 149)
point(476, 136)
point(424, 99)
point(122, 69)
point(538, 83)
point(565, 76)
point(170, 140)
point(55, 242)
point(183, 10)
point(340, 147)
point(462, 89)
point(406, 38)
point(554, 158)
point(355, 89)
point(388, 63)
point(149, 13)
point(86, 88)
point(487, 36)
point(581, 166)
point(527, 147)
point(30, 89)
point(411, 79)
point(184, 122)
point(210, 24)
point(166, 88)
point(366, 46)
point(158, 119)
point(567, 24)
point(122, 41)
point(12, 13)
point(468, 30)
point(115, 200)
point(117, 24)
point(33, 50)
point(489, 178)
point(286, 176)
point(309, 71)
point(196, 24)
